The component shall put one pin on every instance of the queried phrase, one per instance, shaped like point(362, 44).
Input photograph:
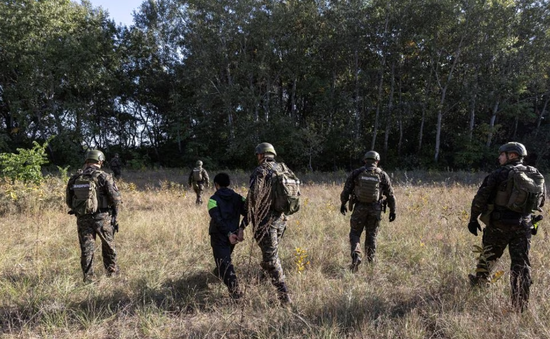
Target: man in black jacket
point(225, 208)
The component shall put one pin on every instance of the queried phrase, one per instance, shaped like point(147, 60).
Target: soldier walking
point(506, 224)
point(116, 166)
point(268, 224)
point(198, 179)
point(93, 197)
point(364, 189)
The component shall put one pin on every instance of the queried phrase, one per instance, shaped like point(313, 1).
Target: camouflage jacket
point(258, 200)
point(487, 192)
point(386, 188)
point(105, 184)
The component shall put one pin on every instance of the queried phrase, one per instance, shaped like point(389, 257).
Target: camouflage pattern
point(90, 227)
point(199, 186)
point(366, 216)
point(505, 228)
point(98, 224)
point(268, 225)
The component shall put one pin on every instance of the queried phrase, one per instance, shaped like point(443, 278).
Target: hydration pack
point(285, 189)
point(85, 194)
point(367, 185)
point(197, 174)
point(524, 190)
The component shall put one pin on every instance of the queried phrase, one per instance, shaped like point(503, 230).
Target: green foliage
point(323, 81)
point(26, 165)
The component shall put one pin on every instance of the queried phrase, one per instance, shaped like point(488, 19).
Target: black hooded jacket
point(225, 208)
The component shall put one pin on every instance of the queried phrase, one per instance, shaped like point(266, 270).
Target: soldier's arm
point(69, 193)
point(110, 190)
point(205, 177)
point(387, 191)
point(348, 187)
point(481, 199)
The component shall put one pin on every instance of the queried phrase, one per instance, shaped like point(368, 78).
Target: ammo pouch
point(486, 216)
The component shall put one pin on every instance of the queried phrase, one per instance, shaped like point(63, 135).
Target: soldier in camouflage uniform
point(268, 224)
point(199, 184)
point(505, 228)
point(116, 166)
point(366, 216)
point(99, 224)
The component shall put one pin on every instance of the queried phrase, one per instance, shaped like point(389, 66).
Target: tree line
point(427, 83)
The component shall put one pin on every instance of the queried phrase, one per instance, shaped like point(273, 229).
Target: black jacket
point(225, 208)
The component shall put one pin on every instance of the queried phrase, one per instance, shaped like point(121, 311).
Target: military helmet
point(198, 163)
point(372, 155)
point(95, 156)
point(265, 147)
point(515, 147)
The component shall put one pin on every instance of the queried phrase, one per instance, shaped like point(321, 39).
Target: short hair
point(222, 179)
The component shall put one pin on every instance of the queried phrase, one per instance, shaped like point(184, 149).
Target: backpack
point(197, 174)
point(285, 190)
point(85, 194)
point(524, 190)
point(367, 185)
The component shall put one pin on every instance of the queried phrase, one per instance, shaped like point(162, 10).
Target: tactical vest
point(367, 185)
point(87, 198)
point(197, 174)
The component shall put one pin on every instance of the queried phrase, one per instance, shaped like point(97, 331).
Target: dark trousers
point(515, 235)
point(365, 217)
point(222, 250)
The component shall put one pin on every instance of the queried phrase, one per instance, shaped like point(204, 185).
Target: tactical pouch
point(486, 215)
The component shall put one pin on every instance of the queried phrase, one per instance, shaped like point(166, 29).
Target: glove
point(392, 216)
point(343, 209)
point(473, 227)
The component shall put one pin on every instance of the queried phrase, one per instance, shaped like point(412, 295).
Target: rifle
point(535, 219)
point(384, 205)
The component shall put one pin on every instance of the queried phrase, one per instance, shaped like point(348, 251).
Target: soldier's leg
point(357, 225)
point(197, 193)
point(495, 240)
point(106, 235)
point(520, 268)
point(269, 245)
point(371, 232)
point(86, 239)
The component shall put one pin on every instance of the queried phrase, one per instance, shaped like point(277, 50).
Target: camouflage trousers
point(90, 227)
point(365, 217)
point(199, 189)
point(268, 236)
point(517, 236)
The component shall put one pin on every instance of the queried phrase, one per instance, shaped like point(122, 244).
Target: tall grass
point(416, 288)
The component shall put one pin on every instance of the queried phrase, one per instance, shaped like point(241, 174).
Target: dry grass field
point(417, 287)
